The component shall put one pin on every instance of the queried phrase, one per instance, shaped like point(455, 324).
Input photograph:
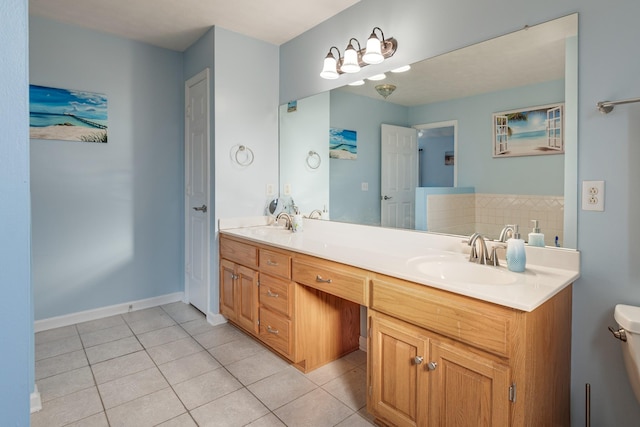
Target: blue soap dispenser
point(536, 238)
point(516, 255)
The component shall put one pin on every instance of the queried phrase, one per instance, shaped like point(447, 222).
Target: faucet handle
point(493, 258)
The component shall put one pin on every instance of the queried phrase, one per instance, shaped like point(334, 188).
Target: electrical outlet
point(593, 196)
point(365, 186)
point(287, 189)
point(270, 191)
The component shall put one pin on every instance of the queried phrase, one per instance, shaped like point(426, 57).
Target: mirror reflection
point(423, 157)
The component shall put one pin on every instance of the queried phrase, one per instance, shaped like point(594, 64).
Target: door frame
point(443, 124)
point(202, 75)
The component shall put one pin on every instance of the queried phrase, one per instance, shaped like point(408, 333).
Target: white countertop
point(403, 253)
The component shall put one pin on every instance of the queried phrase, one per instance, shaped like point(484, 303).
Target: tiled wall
point(489, 213)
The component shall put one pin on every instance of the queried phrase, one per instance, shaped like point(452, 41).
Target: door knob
point(202, 208)
point(386, 197)
point(431, 366)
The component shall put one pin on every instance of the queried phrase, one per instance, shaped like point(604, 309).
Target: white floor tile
point(68, 409)
point(317, 408)
point(162, 336)
point(113, 349)
point(147, 411)
point(281, 388)
point(188, 367)
point(112, 369)
point(59, 364)
point(131, 387)
point(174, 350)
point(65, 383)
point(205, 388)
point(233, 410)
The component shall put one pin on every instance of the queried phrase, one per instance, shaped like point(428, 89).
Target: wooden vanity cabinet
point(441, 359)
point(276, 296)
point(239, 284)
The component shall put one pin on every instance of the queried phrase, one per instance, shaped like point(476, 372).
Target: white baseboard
point(36, 402)
point(363, 343)
point(216, 319)
point(99, 313)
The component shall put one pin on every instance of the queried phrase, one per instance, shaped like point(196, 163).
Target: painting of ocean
point(68, 115)
point(343, 144)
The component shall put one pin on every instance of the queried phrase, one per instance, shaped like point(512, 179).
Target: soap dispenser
point(516, 255)
point(536, 238)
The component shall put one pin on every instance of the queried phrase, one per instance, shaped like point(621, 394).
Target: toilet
point(628, 317)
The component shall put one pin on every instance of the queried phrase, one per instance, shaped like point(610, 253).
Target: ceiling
point(533, 55)
point(176, 24)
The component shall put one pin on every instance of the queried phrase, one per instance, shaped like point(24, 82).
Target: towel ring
point(313, 160)
point(248, 155)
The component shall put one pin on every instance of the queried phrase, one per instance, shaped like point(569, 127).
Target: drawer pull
point(271, 294)
point(321, 280)
point(431, 366)
point(418, 360)
point(272, 331)
point(269, 262)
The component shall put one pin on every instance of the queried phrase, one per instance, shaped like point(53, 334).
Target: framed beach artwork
point(529, 131)
point(67, 115)
point(343, 144)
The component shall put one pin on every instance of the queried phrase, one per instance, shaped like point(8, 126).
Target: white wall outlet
point(593, 196)
point(365, 186)
point(270, 190)
point(287, 189)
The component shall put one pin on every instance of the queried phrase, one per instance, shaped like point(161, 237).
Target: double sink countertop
point(439, 261)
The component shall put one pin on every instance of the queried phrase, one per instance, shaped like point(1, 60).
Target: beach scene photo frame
point(530, 131)
point(343, 144)
point(67, 115)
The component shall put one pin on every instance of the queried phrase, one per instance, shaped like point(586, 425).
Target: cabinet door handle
point(272, 331)
point(418, 360)
point(431, 366)
point(321, 280)
point(234, 276)
point(271, 294)
point(269, 262)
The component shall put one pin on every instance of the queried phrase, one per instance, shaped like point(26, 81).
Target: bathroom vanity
point(441, 349)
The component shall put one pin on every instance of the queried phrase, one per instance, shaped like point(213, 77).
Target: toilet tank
point(628, 317)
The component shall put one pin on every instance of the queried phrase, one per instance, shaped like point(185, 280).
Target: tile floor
point(166, 366)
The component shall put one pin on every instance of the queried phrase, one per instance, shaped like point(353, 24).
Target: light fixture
point(385, 90)
point(357, 83)
point(374, 55)
point(330, 68)
point(351, 63)
point(377, 77)
point(376, 51)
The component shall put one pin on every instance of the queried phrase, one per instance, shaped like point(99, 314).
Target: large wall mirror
point(447, 110)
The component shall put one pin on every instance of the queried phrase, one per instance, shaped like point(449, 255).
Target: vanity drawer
point(276, 331)
point(483, 325)
point(239, 252)
point(336, 279)
point(275, 263)
point(277, 294)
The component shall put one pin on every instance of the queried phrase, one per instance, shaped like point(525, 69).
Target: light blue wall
point(246, 113)
point(107, 219)
point(433, 171)
point(16, 315)
point(542, 175)
point(364, 115)
point(608, 148)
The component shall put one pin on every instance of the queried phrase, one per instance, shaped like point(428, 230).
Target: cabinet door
point(398, 375)
point(227, 289)
point(247, 288)
point(467, 390)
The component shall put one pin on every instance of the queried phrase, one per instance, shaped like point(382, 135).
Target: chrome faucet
point(315, 211)
point(287, 219)
point(505, 231)
point(478, 256)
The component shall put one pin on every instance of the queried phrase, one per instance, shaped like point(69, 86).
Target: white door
point(197, 191)
point(399, 176)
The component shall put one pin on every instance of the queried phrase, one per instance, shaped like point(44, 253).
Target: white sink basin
point(467, 273)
